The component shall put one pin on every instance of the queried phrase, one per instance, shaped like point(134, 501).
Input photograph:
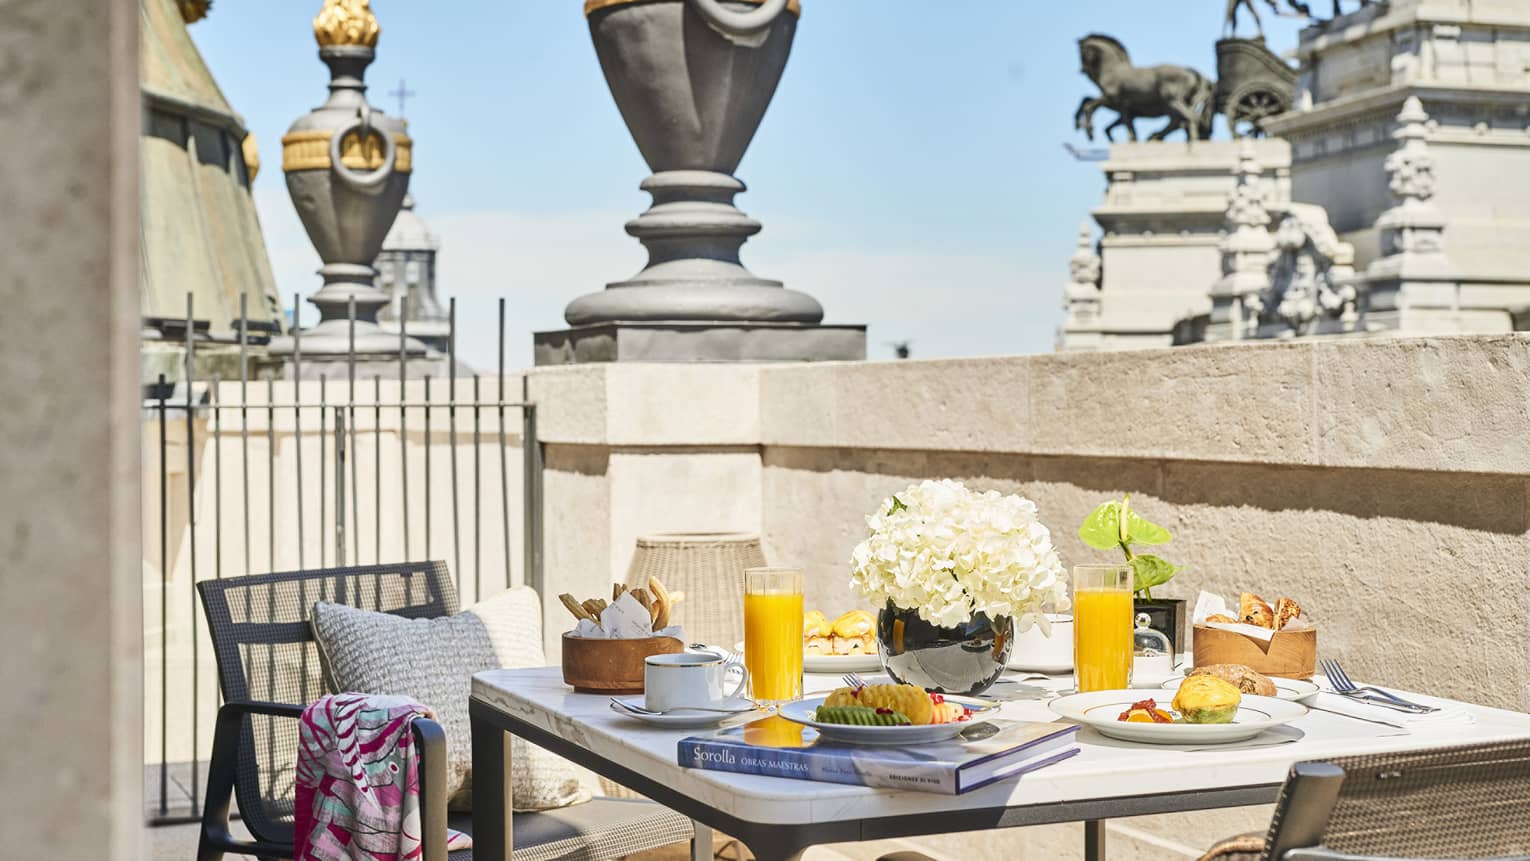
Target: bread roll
point(1243, 677)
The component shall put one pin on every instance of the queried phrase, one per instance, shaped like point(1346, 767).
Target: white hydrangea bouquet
point(949, 553)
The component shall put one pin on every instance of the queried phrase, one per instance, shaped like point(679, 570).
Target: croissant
point(1253, 610)
point(815, 625)
point(1285, 611)
point(854, 624)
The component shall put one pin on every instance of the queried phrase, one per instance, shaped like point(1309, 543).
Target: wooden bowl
point(1289, 654)
point(611, 666)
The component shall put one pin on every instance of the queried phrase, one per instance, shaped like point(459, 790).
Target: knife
point(1357, 717)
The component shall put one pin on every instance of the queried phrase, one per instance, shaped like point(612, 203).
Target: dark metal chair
point(1468, 803)
point(268, 668)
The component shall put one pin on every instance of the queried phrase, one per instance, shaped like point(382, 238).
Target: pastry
point(854, 625)
point(1207, 699)
point(1244, 678)
point(814, 624)
point(853, 633)
point(1221, 617)
point(818, 646)
point(1254, 611)
point(1285, 611)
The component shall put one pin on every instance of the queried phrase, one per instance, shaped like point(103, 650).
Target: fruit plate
point(866, 662)
point(802, 711)
point(1099, 710)
point(1293, 690)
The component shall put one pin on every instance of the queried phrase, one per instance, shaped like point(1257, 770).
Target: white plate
point(836, 664)
point(683, 718)
point(802, 711)
point(1294, 690)
point(1099, 709)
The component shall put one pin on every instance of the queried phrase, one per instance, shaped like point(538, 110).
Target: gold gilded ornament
point(346, 22)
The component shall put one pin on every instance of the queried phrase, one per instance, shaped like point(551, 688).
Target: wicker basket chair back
point(1470, 802)
point(709, 568)
point(265, 652)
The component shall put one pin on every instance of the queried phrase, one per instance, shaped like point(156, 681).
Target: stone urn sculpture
point(347, 166)
point(692, 79)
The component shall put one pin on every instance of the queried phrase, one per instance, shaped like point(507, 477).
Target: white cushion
point(433, 661)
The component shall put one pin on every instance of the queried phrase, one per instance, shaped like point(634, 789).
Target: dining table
point(778, 818)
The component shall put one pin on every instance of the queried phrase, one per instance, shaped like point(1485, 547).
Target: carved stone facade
point(1163, 224)
point(1467, 65)
point(1409, 168)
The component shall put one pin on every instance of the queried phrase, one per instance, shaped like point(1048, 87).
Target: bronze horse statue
point(1180, 93)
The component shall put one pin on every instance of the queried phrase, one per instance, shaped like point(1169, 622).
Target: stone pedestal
point(723, 341)
point(1468, 64)
point(1165, 203)
point(692, 81)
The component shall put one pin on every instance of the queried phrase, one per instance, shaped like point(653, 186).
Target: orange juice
point(773, 645)
point(1102, 638)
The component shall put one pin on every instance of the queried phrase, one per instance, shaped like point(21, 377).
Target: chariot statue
point(1180, 93)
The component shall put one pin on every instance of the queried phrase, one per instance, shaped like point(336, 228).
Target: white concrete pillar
point(71, 634)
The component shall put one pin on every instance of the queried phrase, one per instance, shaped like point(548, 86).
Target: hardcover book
point(989, 751)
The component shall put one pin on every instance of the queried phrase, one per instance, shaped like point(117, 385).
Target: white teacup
point(689, 680)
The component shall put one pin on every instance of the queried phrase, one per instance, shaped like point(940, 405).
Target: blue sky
point(910, 172)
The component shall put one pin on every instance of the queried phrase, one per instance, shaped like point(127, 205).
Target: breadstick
point(593, 606)
point(616, 591)
point(642, 597)
point(661, 603)
point(574, 607)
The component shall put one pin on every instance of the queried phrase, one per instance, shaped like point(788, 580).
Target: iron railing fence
point(315, 514)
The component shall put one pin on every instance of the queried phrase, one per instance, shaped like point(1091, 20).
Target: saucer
point(683, 718)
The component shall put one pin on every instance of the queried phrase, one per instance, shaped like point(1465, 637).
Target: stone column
point(1237, 298)
point(72, 638)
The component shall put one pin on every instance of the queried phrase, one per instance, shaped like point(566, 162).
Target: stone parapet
point(1367, 478)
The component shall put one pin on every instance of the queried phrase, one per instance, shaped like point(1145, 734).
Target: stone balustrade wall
point(1385, 484)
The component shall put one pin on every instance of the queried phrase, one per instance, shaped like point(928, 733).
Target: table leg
point(492, 839)
point(701, 844)
point(1094, 839)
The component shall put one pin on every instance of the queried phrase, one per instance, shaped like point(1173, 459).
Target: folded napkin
point(358, 781)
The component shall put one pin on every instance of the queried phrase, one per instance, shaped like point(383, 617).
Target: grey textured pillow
point(433, 661)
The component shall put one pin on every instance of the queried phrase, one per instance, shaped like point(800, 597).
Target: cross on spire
point(403, 94)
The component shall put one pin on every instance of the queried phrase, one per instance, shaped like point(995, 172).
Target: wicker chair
point(268, 667)
point(1468, 803)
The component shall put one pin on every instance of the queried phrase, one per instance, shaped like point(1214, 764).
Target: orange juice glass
point(773, 634)
point(1102, 627)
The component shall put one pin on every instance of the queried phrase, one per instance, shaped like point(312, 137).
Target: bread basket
point(601, 666)
point(1288, 654)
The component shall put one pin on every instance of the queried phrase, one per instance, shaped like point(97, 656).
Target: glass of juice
point(773, 634)
point(1102, 627)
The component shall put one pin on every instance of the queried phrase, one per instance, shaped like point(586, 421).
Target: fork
point(1342, 684)
point(853, 681)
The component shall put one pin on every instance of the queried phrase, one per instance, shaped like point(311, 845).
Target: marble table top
point(1103, 769)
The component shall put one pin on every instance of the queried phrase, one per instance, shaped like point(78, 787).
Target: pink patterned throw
point(358, 781)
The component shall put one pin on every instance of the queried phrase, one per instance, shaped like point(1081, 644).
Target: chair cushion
point(433, 661)
point(602, 829)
